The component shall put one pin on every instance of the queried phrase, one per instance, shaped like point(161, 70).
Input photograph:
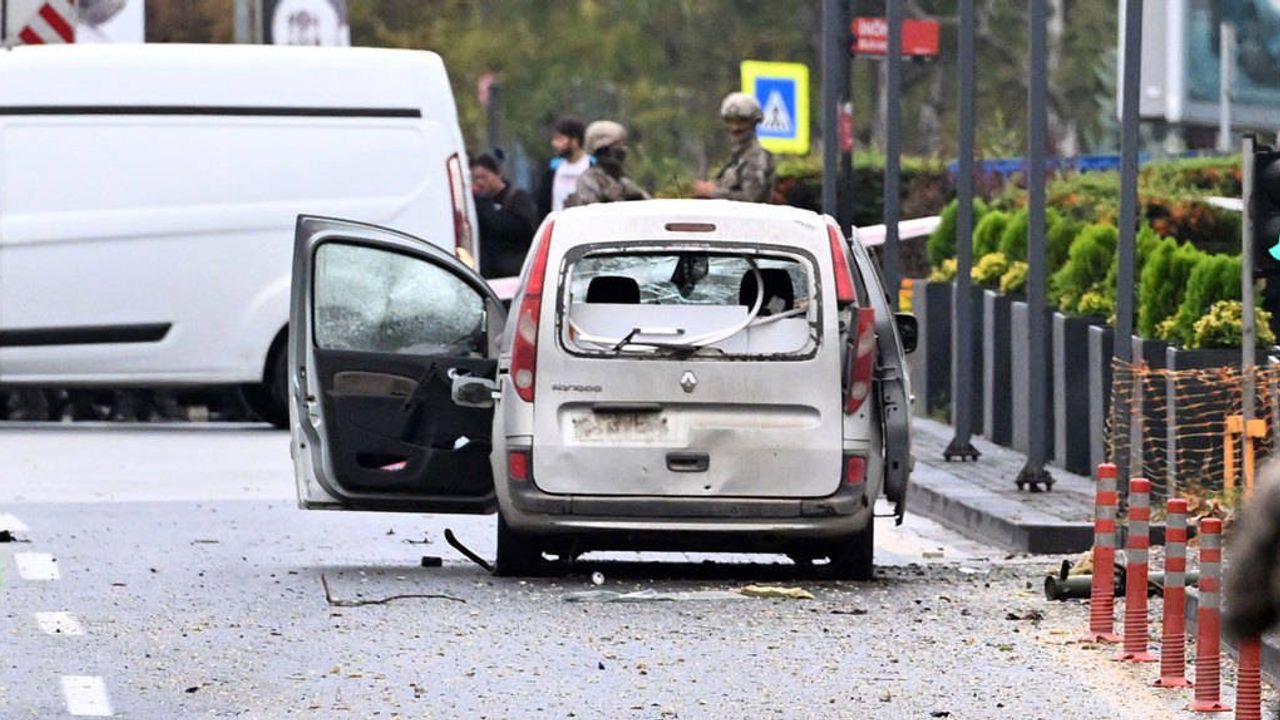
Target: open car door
point(892, 384)
point(380, 324)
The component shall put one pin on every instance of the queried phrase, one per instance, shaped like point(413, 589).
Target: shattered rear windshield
point(691, 303)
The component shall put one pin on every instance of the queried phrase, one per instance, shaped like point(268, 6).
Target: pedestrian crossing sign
point(782, 89)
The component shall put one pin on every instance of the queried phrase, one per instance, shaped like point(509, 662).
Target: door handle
point(688, 462)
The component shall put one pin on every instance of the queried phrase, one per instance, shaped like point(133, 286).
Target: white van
point(675, 374)
point(148, 196)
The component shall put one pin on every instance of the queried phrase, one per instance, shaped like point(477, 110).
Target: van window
point(378, 301)
point(691, 303)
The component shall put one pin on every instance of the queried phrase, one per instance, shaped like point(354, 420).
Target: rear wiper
point(629, 338)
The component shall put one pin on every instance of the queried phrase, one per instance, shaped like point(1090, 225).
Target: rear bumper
point(533, 510)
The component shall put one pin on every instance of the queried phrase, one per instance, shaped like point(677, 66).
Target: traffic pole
point(1249, 680)
point(1102, 591)
point(1173, 641)
point(1135, 560)
point(1208, 697)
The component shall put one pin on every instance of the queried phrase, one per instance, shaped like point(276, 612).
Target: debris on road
point(649, 595)
point(334, 602)
point(432, 561)
point(467, 552)
point(7, 536)
point(1032, 615)
point(775, 591)
point(597, 578)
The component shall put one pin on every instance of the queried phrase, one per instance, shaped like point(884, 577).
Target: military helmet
point(603, 133)
point(740, 106)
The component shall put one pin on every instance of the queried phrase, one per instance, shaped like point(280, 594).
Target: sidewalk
point(980, 499)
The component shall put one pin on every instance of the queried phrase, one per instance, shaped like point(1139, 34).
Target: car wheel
point(853, 556)
point(270, 400)
point(518, 554)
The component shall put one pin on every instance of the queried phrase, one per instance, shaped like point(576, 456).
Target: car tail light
point(518, 465)
point(524, 353)
point(855, 469)
point(463, 237)
point(862, 361)
point(844, 277)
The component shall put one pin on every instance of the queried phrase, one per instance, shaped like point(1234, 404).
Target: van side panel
point(120, 221)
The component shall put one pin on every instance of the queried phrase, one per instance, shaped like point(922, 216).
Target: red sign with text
point(871, 37)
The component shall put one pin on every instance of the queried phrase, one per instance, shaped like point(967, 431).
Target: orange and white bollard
point(1173, 641)
point(1135, 589)
point(1102, 591)
point(1208, 697)
point(1249, 680)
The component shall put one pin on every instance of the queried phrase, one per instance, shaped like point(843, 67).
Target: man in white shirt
point(564, 169)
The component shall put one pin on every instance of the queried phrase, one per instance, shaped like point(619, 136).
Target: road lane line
point(86, 696)
point(12, 524)
point(36, 566)
point(59, 623)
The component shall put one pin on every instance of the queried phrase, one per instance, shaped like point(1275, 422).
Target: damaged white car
point(677, 375)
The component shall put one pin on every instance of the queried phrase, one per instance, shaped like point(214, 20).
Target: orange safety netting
point(1183, 429)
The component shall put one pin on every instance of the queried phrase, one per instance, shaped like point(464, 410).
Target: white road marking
point(86, 696)
point(36, 566)
point(12, 524)
point(59, 623)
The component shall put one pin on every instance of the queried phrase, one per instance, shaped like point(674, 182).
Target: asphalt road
point(167, 573)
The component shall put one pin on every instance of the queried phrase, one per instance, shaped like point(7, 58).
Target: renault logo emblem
point(688, 381)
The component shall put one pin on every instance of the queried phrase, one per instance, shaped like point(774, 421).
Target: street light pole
point(962, 302)
point(832, 56)
point(1033, 474)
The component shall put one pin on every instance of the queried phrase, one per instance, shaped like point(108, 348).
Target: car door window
point(374, 300)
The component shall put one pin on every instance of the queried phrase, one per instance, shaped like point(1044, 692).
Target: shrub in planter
point(946, 272)
point(1096, 302)
point(1163, 281)
point(942, 242)
point(1214, 278)
point(1013, 241)
point(1213, 175)
point(987, 233)
point(1014, 280)
point(989, 269)
point(1086, 268)
point(1057, 240)
point(1222, 327)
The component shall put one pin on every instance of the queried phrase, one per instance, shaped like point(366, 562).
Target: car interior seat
point(615, 289)
point(779, 293)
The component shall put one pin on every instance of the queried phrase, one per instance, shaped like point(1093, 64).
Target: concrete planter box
point(931, 362)
point(1194, 423)
point(1020, 351)
point(1145, 418)
point(1070, 369)
point(997, 421)
point(1101, 350)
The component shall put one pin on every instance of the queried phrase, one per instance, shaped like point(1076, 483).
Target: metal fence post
point(962, 302)
point(1034, 474)
point(893, 149)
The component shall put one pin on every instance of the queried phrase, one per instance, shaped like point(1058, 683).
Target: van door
point(380, 324)
point(892, 384)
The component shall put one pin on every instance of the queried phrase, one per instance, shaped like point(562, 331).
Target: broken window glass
point(375, 300)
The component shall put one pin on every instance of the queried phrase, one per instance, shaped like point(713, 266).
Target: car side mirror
point(908, 331)
point(473, 392)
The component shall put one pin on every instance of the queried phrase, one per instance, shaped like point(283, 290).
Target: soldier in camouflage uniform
point(606, 181)
point(748, 176)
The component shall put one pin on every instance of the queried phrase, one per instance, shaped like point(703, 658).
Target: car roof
point(735, 222)
point(160, 74)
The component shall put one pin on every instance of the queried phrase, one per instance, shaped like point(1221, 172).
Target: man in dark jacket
point(506, 218)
